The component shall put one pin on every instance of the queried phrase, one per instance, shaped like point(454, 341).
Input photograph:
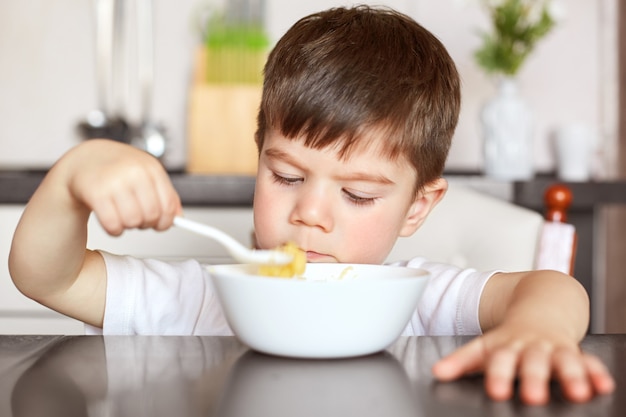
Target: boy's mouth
point(312, 256)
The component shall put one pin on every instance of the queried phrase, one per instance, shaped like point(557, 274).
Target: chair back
point(472, 229)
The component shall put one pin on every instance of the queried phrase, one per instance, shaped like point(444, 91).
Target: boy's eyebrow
point(273, 153)
point(364, 176)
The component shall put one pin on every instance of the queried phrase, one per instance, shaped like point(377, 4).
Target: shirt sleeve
point(152, 297)
point(450, 302)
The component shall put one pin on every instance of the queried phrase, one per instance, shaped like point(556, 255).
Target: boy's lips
point(312, 256)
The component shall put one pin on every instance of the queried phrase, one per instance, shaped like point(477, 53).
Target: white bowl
point(321, 316)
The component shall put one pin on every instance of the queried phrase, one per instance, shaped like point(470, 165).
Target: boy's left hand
point(532, 356)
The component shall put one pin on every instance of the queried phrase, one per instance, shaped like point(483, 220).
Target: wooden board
point(221, 127)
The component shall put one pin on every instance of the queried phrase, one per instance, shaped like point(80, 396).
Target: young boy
point(359, 107)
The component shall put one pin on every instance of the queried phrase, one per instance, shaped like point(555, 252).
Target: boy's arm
point(123, 186)
point(533, 322)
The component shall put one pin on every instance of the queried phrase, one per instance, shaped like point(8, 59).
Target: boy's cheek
point(266, 224)
point(263, 237)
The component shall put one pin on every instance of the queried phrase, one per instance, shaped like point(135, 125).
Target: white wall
point(47, 75)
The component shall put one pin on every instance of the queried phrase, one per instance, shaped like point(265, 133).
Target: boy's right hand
point(125, 187)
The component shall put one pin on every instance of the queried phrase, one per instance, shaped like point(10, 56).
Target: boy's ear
point(424, 202)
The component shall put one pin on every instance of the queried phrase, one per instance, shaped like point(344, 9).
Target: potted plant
point(517, 27)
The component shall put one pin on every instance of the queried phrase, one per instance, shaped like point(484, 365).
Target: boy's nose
point(314, 209)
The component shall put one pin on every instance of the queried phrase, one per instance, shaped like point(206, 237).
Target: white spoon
point(236, 249)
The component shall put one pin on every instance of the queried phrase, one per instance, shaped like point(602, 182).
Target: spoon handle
point(234, 247)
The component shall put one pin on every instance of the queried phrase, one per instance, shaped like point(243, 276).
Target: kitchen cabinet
point(21, 315)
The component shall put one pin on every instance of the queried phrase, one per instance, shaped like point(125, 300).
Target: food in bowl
point(294, 268)
point(319, 315)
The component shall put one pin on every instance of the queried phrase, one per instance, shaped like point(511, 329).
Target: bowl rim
point(238, 271)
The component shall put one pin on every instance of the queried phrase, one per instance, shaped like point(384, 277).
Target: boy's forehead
point(364, 140)
point(370, 144)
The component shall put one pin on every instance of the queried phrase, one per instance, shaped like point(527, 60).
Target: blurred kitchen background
point(49, 84)
point(54, 80)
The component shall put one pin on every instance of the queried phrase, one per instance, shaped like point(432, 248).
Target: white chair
point(471, 229)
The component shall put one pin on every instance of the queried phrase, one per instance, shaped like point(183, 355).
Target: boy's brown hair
point(340, 73)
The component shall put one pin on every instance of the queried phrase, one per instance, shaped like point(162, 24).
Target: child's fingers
point(109, 218)
point(580, 375)
point(535, 371)
point(500, 374)
point(599, 375)
point(149, 209)
point(169, 201)
point(467, 359)
point(570, 371)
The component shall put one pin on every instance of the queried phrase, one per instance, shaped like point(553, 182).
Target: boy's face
point(349, 210)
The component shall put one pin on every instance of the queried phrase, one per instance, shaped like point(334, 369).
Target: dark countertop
point(218, 376)
point(16, 187)
point(586, 194)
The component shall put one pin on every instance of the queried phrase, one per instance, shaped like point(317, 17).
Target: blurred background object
point(116, 38)
point(561, 84)
point(235, 43)
point(225, 91)
point(574, 147)
point(102, 122)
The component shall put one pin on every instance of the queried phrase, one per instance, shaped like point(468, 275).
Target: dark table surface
point(217, 376)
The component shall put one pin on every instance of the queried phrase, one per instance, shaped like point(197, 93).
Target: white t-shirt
point(151, 297)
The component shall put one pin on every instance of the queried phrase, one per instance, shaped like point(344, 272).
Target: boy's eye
point(285, 179)
point(358, 199)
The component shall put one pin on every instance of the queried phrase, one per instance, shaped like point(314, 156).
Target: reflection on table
point(217, 376)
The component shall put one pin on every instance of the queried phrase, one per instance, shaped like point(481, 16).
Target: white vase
point(507, 128)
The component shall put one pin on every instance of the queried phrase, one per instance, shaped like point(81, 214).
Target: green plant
point(517, 26)
point(247, 36)
point(235, 50)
